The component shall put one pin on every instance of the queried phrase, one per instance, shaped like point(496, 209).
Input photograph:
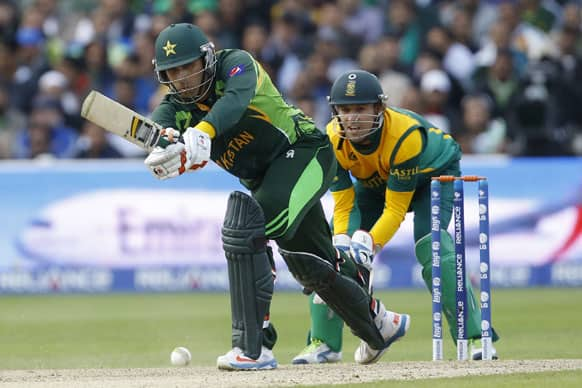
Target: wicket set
point(459, 239)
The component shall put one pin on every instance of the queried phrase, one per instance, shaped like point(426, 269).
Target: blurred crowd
point(502, 76)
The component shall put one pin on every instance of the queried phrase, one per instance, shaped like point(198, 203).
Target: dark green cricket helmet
point(356, 87)
point(180, 44)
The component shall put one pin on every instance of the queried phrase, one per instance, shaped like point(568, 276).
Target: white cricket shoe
point(236, 360)
point(392, 326)
point(317, 352)
point(476, 350)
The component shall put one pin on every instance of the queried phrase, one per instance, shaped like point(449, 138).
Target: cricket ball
point(180, 356)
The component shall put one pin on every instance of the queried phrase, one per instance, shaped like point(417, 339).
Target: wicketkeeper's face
point(357, 121)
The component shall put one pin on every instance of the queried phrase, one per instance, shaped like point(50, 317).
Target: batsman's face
point(357, 121)
point(187, 78)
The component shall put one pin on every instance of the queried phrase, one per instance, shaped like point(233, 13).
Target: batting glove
point(165, 162)
point(198, 145)
point(362, 248)
point(173, 160)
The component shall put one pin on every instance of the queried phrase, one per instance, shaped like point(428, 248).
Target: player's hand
point(198, 145)
point(166, 162)
point(342, 242)
point(176, 159)
point(362, 248)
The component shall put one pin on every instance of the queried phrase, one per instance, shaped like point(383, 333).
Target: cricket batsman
point(392, 154)
point(222, 106)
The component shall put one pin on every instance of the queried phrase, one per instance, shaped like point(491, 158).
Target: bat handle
point(163, 141)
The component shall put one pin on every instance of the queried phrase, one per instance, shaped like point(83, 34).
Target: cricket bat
point(122, 121)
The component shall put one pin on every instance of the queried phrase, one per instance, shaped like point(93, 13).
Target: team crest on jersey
point(238, 69)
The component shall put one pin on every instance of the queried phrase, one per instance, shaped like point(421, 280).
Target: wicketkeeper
point(223, 107)
point(392, 154)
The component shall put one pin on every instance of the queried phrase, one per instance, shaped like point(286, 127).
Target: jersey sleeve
point(240, 76)
point(165, 115)
point(400, 186)
point(346, 214)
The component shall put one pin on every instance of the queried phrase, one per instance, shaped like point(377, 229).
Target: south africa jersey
point(408, 151)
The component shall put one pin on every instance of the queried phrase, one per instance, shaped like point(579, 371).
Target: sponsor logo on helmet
point(169, 48)
point(238, 69)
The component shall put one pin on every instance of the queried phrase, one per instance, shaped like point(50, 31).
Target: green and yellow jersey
point(408, 152)
point(246, 117)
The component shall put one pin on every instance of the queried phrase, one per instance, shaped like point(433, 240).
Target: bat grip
point(163, 141)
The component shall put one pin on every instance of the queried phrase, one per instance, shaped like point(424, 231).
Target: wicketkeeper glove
point(362, 248)
point(342, 242)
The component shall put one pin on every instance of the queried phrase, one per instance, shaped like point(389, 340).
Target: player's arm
point(400, 186)
point(240, 75)
point(190, 153)
point(346, 214)
point(165, 115)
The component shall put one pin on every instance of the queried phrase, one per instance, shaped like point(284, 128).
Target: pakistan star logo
point(169, 48)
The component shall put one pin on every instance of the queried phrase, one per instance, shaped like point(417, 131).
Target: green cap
point(178, 44)
point(356, 87)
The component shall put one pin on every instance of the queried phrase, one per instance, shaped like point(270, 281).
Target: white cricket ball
point(180, 356)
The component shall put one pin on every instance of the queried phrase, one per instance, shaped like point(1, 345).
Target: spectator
point(284, 50)
point(254, 39)
point(412, 99)
point(329, 43)
point(8, 20)
point(535, 14)
point(499, 38)
point(32, 61)
point(481, 14)
point(435, 87)
point(368, 59)
point(46, 133)
point(96, 42)
point(209, 22)
point(361, 20)
point(534, 118)
point(458, 59)
point(8, 64)
point(479, 132)
point(402, 21)
point(500, 82)
point(11, 120)
point(524, 36)
point(314, 83)
point(101, 76)
point(393, 76)
point(93, 144)
point(55, 85)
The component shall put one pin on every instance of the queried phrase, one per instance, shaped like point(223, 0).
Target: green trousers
point(328, 327)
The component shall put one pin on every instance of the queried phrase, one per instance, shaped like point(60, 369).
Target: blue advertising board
point(102, 226)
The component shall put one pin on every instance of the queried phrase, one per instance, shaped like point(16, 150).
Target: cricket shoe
point(317, 352)
point(476, 350)
point(236, 360)
point(391, 325)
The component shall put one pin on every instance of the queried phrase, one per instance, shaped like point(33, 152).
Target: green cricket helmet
point(180, 44)
point(357, 87)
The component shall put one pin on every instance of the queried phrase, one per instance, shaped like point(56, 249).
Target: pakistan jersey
point(250, 124)
point(407, 152)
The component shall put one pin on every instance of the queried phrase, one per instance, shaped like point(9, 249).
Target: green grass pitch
point(140, 330)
